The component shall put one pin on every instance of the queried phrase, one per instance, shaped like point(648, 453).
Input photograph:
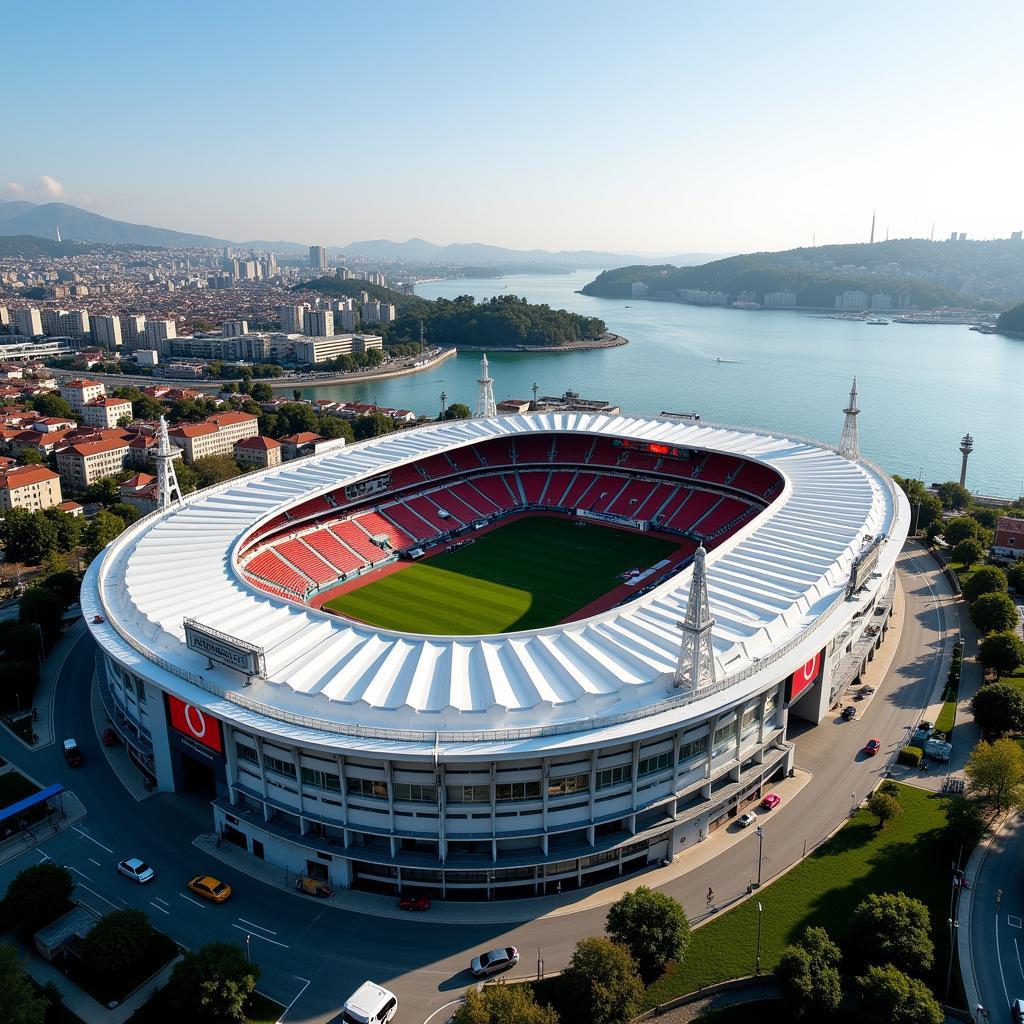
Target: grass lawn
point(910, 855)
point(259, 1010)
point(530, 573)
point(14, 787)
point(764, 1011)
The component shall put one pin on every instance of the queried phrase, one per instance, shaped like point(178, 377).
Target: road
point(314, 956)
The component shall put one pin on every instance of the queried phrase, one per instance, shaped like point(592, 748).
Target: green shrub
point(911, 756)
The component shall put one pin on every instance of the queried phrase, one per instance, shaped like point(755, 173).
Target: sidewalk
point(117, 757)
point(501, 912)
point(26, 840)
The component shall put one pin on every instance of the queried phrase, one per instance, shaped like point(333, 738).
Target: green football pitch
point(530, 573)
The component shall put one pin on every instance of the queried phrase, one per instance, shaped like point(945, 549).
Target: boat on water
point(721, 360)
point(878, 321)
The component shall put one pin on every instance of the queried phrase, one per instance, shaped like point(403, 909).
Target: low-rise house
point(31, 487)
point(258, 451)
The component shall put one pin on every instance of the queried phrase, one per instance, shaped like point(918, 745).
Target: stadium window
point(415, 793)
point(693, 748)
point(614, 776)
point(247, 753)
point(366, 787)
point(655, 763)
point(569, 784)
point(321, 779)
point(469, 794)
point(724, 735)
point(771, 702)
point(275, 764)
point(505, 791)
point(750, 718)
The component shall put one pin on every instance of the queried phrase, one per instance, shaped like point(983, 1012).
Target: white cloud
point(51, 186)
point(15, 188)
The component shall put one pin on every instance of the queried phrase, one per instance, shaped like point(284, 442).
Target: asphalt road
point(314, 956)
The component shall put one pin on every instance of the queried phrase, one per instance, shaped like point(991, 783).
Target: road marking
point(189, 898)
point(158, 907)
point(296, 999)
point(160, 899)
point(96, 862)
point(71, 867)
point(1013, 922)
point(253, 925)
point(99, 897)
point(999, 959)
point(1017, 950)
point(85, 835)
point(441, 1009)
point(273, 942)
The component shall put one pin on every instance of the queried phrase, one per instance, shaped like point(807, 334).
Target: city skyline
point(558, 131)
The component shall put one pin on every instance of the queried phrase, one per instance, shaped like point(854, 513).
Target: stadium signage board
point(237, 654)
point(196, 724)
point(652, 448)
point(803, 678)
point(610, 517)
point(864, 566)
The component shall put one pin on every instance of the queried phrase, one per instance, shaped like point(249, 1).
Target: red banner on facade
point(195, 723)
point(804, 677)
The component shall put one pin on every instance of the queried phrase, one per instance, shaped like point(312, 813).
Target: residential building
point(258, 451)
point(303, 443)
point(79, 392)
point(374, 312)
point(318, 323)
point(345, 320)
point(141, 492)
point(1009, 538)
point(320, 350)
point(106, 412)
point(106, 330)
point(159, 331)
point(31, 487)
point(783, 298)
point(74, 324)
point(317, 257)
point(852, 300)
point(83, 464)
point(234, 328)
point(638, 289)
point(134, 331)
point(292, 319)
point(216, 435)
point(30, 322)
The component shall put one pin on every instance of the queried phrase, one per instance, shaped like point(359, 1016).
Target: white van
point(370, 1004)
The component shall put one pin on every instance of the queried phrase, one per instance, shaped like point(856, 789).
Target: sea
point(921, 387)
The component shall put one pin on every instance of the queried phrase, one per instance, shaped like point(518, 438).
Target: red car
point(771, 800)
point(109, 738)
point(414, 903)
point(872, 747)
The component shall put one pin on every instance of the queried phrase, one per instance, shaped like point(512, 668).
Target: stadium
point(498, 657)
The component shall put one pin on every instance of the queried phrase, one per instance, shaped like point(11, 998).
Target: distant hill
point(1012, 320)
point(924, 274)
point(29, 247)
point(350, 289)
point(81, 225)
point(14, 207)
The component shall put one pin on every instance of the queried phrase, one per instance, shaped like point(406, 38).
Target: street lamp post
point(760, 852)
point(535, 390)
point(248, 953)
point(444, 398)
point(953, 926)
point(757, 964)
point(853, 802)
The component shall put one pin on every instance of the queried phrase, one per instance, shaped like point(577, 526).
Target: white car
point(494, 961)
point(746, 820)
point(137, 870)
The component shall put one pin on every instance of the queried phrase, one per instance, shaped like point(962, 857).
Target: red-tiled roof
point(22, 476)
point(259, 442)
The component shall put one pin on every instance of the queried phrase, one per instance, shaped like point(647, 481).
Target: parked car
point(418, 902)
point(109, 738)
point(369, 1004)
point(872, 747)
point(72, 753)
point(1017, 1011)
point(137, 870)
point(770, 801)
point(746, 820)
point(494, 961)
point(210, 888)
point(849, 713)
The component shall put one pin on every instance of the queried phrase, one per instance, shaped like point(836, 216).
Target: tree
point(119, 941)
point(457, 411)
point(652, 926)
point(69, 528)
point(52, 405)
point(966, 823)
point(105, 491)
point(103, 528)
point(1003, 651)
point(953, 496)
point(261, 392)
point(20, 1002)
point(994, 612)
point(43, 608)
point(66, 585)
point(28, 536)
point(128, 513)
point(602, 982)
point(37, 896)
point(212, 984)
point(809, 976)
point(998, 708)
point(893, 928)
point(996, 770)
point(188, 479)
point(989, 579)
point(503, 1004)
point(373, 425)
point(968, 552)
point(1015, 575)
point(890, 995)
point(885, 807)
point(961, 528)
point(30, 456)
point(147, 408)
point(988, 517)
point(213, 469)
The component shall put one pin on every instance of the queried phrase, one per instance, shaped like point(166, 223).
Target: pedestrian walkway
point(82, 1004)
point(501, 911)
point(30, 837)
point(117, 756)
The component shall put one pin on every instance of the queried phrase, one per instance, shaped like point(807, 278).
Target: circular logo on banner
point(809, 672)
point(196, 721)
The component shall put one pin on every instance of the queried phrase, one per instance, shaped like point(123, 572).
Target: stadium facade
point(512, 764)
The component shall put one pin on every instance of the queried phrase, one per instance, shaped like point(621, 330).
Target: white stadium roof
point(781, 573)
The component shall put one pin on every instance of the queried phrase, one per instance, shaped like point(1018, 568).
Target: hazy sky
point(653, 127)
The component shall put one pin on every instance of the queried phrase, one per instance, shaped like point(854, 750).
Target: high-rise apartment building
point(30, 322)
point(234, 328)
point(292, 318)
point(133, 330)
point(75, 324)
point(106, 330)
point(158, 331)
point(318, 323)
point(317, 257)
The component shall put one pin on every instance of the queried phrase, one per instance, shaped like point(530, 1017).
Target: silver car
point(494, 961)
point(137, 870)
point(746, 820)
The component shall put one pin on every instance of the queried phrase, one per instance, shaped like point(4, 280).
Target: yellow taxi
point(212, 889)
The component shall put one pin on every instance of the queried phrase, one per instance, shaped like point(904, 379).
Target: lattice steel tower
point(168, 491)
point(848, 439)
point(485, 405)
point(696, 667)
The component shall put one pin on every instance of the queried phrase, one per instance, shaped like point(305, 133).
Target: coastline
point(608, 340)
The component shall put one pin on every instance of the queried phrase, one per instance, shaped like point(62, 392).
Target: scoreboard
point(652, 448)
